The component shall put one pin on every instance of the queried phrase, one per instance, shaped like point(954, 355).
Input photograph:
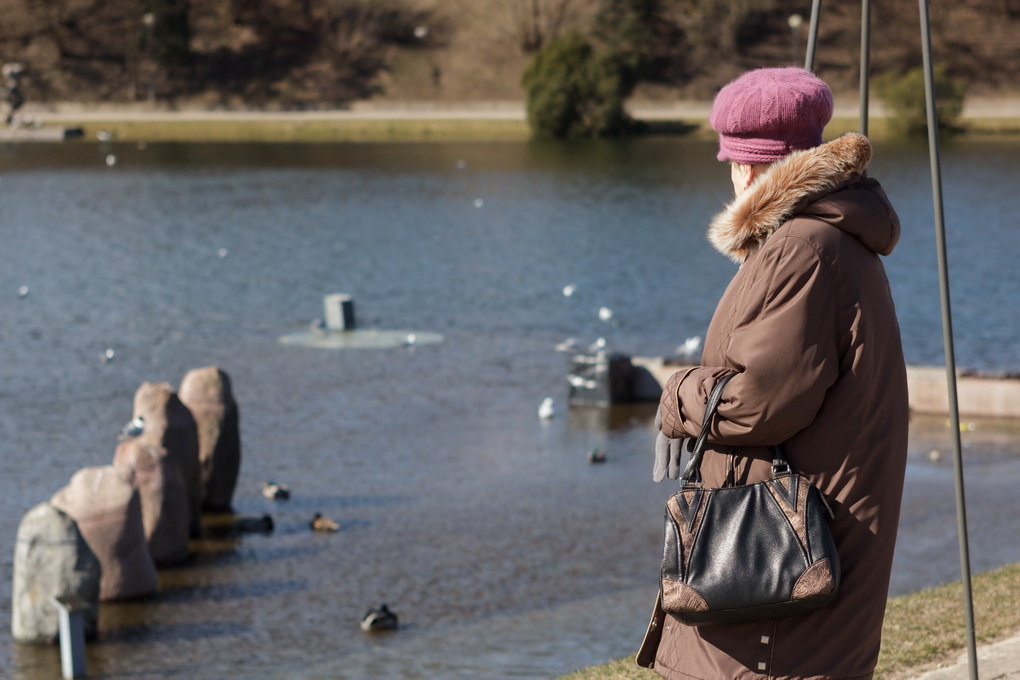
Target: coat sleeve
point(780, 338)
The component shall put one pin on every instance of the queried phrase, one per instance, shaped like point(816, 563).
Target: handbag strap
point(692, 473)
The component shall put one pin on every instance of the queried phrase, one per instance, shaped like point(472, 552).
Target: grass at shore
point(921, 629)
point(167, 127)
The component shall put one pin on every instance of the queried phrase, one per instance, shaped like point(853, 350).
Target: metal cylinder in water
point(338, 310)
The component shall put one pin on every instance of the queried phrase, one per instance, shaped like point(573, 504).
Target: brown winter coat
point(808, 326)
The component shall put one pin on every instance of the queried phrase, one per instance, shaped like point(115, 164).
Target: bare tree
point(536, 21)
point(526, 25)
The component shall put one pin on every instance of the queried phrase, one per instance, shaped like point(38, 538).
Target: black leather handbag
point(744, 553)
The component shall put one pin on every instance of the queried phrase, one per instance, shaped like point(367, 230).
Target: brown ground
point(476, 50)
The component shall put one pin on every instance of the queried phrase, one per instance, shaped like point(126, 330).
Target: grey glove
point(667, 453)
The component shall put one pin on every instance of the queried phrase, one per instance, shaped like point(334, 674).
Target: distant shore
point(422, 121)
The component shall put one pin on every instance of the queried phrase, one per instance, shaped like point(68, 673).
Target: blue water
point(505, 553)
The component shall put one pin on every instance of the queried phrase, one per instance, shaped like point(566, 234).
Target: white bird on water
point(605, 314)
point(546, 410)
point(569, 290)
point(689, 347)
point(568, 345)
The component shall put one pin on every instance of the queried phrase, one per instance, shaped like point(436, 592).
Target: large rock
point(170, 428)
point(107, 508)
point(207, 394)
point(51, 559)
point(166, 510)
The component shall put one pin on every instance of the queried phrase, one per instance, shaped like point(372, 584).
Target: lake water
point(505, 553)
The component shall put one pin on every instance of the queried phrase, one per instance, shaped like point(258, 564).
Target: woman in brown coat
point(808, 328)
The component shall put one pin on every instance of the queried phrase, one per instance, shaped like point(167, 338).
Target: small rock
point(254, 525)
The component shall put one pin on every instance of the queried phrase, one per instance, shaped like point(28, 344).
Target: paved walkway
point(997, 661)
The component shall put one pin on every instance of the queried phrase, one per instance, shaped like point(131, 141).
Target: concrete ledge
point(44, 134)
point(979, 395)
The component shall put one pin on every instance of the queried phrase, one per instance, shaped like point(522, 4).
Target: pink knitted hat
point(765, 114)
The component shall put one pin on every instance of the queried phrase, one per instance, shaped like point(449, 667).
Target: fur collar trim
point(784, 190)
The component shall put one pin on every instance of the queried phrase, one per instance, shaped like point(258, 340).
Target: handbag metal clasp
point(780, 466)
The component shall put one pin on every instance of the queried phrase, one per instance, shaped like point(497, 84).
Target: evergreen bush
point(575, 91)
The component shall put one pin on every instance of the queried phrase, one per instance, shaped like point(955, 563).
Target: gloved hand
point(667, 453)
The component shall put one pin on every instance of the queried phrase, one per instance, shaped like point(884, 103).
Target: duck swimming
point(274, 491)
point(134, 428)
point(379, 619)
point(323, 524)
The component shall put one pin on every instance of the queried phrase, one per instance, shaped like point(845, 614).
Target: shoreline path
point(996, 661)
point(1007, 107)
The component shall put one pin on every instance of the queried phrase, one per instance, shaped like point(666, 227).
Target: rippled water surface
point(504, 552)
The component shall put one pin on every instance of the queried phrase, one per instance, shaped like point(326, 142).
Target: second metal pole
point(809, 57)
point(865, 62)
point(947, 332)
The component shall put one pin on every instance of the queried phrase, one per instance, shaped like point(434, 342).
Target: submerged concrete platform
point(360, 339)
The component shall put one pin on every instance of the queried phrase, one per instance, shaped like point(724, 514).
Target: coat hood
point(811, 183)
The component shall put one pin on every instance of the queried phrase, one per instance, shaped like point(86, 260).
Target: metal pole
point(149, 20)
point(809, 58)
point(865, 61)
point(71, 629)
point(947, 332)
